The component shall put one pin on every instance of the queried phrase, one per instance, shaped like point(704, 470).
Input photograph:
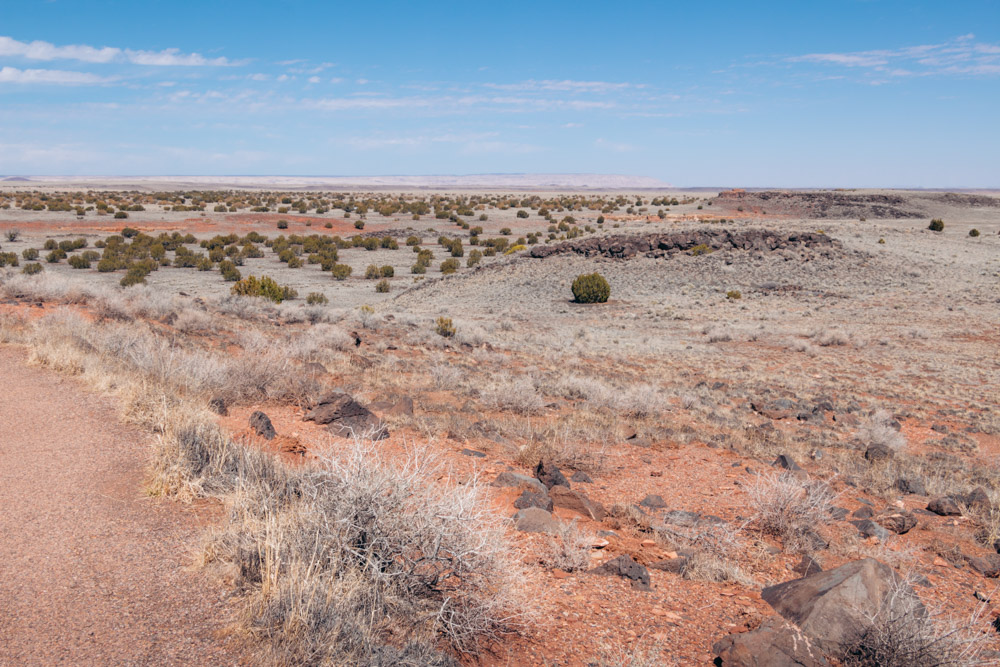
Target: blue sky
point(803, 93)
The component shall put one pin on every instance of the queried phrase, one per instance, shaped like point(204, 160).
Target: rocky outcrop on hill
point(692, 242)
point(819, 204)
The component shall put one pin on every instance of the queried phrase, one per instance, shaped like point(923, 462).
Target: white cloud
point(49, 76)
point(962, 55)
point(47, 51)
point(565, 86)
point(314, 79)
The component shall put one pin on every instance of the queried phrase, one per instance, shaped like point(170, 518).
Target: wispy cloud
point(960, 56)
point(50, 76)
point(564, 86)
point(47, 51)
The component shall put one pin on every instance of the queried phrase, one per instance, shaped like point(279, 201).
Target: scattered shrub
point(263, 287)
point(30, 254)
point(340, 271)
point(31, 269)
point(382, 286)
point(734, 294)
point(359, 224)
point(229, 271)
point(449, 266)
point(121, 215)
point(372, 272)
point(79, 262)
point(317, 299)
point(444, 327)
point(973, 232)
point(13, 235)
point(937, 225)
point(282, 224)
point(591, 288)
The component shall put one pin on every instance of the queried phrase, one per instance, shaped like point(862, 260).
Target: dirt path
point(92, 572)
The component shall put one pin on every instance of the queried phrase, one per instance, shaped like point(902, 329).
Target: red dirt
point(92, 571)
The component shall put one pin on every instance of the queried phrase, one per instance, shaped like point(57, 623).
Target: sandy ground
point(92, 571)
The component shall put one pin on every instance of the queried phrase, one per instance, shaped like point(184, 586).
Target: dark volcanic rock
point(217, 404)
point(514, 479)
point(345, 416)
point(261, 424)
point(776, 643)
point(549, 475)
point(944, 506)
point(574, 500)
point(623, 246)
point(830, 607)
point(819, 204)
point(653, 502)
point(625, 567)
point(582, 477)
point(531, 498)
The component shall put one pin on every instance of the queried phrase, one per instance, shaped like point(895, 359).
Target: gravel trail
point(92, 571)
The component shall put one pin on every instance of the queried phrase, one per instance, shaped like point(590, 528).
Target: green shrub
point(937, 225)
point(700, 249)
point(412, 241)
point(474, 258)
point(8, 259)
point(30, 254)
point(456, 248)
point(449, 266)
point(522, 214)
point(444, 327)
point(340, 271)
point(229, 271)
point(973, 232)
point(382, 286)
point(136, 275)
point(265, 287)
point(359, 224)
point(31, 269)
point(317, 299)
point(79, 262)
point(505, 231)
point(734, 294)
point(387, 271)
point(121, 215)
point(50, 244)
point(282, 224)
point(591, 288)
point(56, 256)
point(418, 268)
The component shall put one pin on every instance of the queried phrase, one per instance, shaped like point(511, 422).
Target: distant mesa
point(15, 178)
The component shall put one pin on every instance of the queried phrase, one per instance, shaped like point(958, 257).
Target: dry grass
point(568, 549)
point(356, 552)
point(789, 507)
point(902, 633)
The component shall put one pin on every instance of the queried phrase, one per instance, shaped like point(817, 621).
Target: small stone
point(474, 453)
point(653, 502)
point(624, 566)
point(261, 424)
point(550, 475)
point(218, 405)
point(532, 498)
point(580, 476)
point(535, 520)
point(944, 506)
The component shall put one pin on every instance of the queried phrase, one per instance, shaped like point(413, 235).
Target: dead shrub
point(788, 507)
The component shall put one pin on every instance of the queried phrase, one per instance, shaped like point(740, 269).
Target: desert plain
point(424, 450)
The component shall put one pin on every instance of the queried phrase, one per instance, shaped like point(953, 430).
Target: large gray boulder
point(832, 607)
point(776, 643)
